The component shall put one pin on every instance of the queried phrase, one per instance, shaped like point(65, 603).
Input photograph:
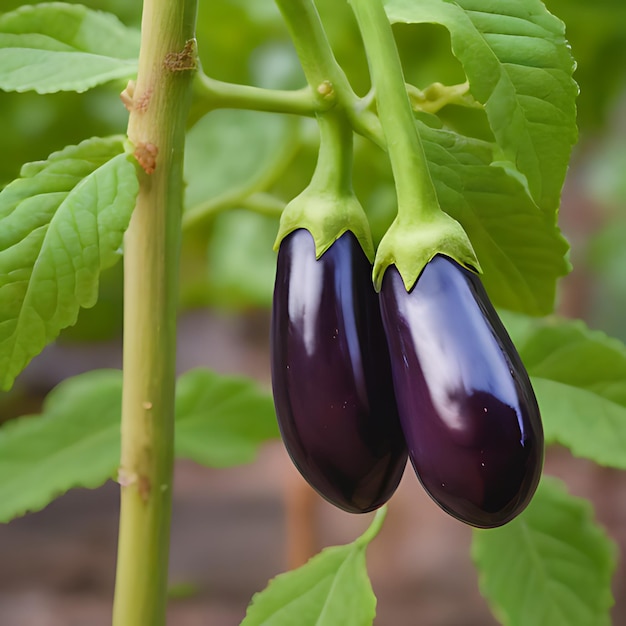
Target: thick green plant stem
point(417, 198)
point(158, 104)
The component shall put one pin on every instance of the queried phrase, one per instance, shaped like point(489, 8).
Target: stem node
point(326, 90)
point(185, 60)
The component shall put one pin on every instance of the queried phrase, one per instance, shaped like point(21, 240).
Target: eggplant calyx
point(411, 245)
point(327, 215)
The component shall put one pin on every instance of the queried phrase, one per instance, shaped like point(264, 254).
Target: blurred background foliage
point(245, 41)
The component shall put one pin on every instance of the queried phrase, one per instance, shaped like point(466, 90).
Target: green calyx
point(411, 245)
point(328, 208)
point(421, 229)
point(326, 214)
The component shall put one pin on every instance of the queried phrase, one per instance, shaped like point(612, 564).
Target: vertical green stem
point(417, 199)
point(156, 128)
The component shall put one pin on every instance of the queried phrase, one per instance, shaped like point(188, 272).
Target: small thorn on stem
point(134, 103)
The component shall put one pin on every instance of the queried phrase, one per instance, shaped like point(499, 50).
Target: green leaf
point(519, 66)
point(230, 150)
point(229, 156)
point(241, 259)
point(332, 589)
point(75, 441)
point(505, 194)
point(588, 424)
point(64, 47)
point(578, 376)
point(221, 420)
point(551, 566)
point(61, 223)
point(520, 251)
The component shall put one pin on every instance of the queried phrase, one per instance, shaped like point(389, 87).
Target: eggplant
point(331, 374)
point(467, 407)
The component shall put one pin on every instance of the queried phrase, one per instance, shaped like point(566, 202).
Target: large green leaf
point(241, 259)
point(64, 47)
point(590, 425)
point(221, 421)
point(551, 566)
point(520, 67)
point(228, 151)
point(332, 589)
point(521, 252)
point(229, 156)
point(61, 223)
point(579, 378)
point(75, 441)
point(505, 193)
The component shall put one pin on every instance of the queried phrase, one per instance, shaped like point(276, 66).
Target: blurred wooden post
point(300, 508)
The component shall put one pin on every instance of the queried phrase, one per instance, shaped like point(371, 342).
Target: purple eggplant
point(331, 374)
point(467, 408)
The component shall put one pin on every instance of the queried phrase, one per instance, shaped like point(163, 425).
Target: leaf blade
point(68, 445)
point(602, 438)
point(521, 252)
point(75, 440)
point(578, 375)
point(61, 223)
point(519, 66)
point(55, 46)
point(242, 275)
point(550, 566)
point(331, 588)
point(213, 424)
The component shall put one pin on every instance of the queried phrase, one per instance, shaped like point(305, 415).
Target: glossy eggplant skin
point(331, 374)
point(468, 411)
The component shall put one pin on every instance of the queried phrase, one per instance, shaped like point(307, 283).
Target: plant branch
point(216, 94)
point(264, 204)
point(158, 104)
point(324, 75)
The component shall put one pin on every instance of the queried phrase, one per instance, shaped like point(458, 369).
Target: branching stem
point(216, 94)
point(323, 73)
